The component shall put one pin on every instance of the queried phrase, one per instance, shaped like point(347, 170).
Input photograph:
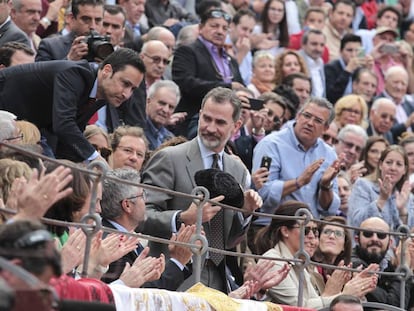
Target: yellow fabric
point(218, 300)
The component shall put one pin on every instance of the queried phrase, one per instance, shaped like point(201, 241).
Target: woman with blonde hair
point(288, 62)
point(30, 132)
point(351, 109)
point(99, 139)
point(263, 73)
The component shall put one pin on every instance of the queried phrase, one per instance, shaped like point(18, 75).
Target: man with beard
point(174, 168)
point(372, 247)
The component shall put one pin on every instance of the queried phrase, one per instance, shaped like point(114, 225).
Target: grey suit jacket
point(10, 32)
point(55, 48)
point(174, 168)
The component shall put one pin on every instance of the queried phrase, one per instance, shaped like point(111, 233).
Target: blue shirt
point(289, 160)
point(363, 204)
point(156, 136)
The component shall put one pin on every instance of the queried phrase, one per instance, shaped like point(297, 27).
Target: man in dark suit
point(204, 65)
point(381, 119)
point(338, 73)
point(60, 96)
point(87, 16)
point(174, 168)
point(8, 30)
point(123, 208)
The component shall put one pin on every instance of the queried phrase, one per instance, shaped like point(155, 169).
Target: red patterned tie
point(94, 118)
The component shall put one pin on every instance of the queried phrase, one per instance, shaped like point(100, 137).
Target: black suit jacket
point(336, 80)
point(194, 72)
point(171, 278)
point(388, 135)
point(55, 48)
point(54, 96)
point(10, 32)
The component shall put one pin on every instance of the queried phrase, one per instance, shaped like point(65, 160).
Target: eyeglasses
point(157, 59)
point(20, 137)
point(309, 116)
point(387, 116)
point(33, 238)
point(350, 110)
point(329, 139)
point(104, 152)
point(130, 151)
point(350, 145)
point(143, 195)
point(339, 234)
point(308, 230)
point(219, 14)
point(379, 235)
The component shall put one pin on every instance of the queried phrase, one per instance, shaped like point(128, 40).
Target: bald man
point(371, 248)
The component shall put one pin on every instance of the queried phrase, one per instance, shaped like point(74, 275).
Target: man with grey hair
point(312, 178)
point(187, 35)
point(161, 34)
point(381, 119)
point(351, 140)
point(9, 132)
point(163, 97)
point(174, 168)
point(123, 208)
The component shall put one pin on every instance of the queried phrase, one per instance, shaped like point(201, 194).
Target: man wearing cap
point(174, 168)
point(203, 65)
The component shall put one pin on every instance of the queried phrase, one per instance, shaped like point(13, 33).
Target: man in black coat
point(60, 97)
point(8, 30)
point(203, 66)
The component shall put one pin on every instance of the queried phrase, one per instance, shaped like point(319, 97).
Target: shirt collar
point(205, 152)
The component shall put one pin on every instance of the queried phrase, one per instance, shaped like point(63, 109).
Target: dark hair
point(220, 95)
point(269, 236)
point(209, 14)
point(288, 80)
point(114, 9)
point(283, 27)
point(310, 31)
point(364, 154)
point(391, 8)
point(349, 37)
point(66, 207)
point(77, 3)
point(345, 255)
point(32, 162)
point(346, 2)
point(243, 12)
point(345, 299)
point(292, 100)
point(206, 5)
point(123, 57)
point(313, 9)
point(356, 76)
point(8, 49)
point(35, 257)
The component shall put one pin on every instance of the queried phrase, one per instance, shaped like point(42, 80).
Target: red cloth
point(82, 289)
point(370, 9)
point(295, 42)
point(291, 308)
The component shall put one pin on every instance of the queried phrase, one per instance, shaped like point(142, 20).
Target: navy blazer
point(10, 32)
point(55, 48)
point(388, 135)
point(53, 95)
point(336, 80)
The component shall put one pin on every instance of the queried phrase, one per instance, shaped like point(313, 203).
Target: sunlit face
point(276, 12)
point(374, 153)
point(290, 65)
point(396, 85)
point(89, 18)
point(332, 243)
point(113, 26)
point(310, 124)
point(161, 106)
point(118, 87)
point(382, 119)
point(351, 115)
point(130, 153)
point(216, 125)
point(344, 190)
point(366, 86)
point(314, 46)
point(315, 20)
point(214, 30)
point(264, 69)
point(351, 145)
point(341, 17)
point(409, 149)
point(27, 18)
point(393, 167)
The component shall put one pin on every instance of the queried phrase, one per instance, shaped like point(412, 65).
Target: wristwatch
point(46, 21)
point(326, 188)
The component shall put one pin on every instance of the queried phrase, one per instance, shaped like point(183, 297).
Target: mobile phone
point(256, 104)
point(388, 48)
point(266, 162)
point(361, 53)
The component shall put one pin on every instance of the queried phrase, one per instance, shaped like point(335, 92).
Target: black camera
point(99, 47)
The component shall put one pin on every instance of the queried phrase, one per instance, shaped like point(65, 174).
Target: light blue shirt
point(289, 160)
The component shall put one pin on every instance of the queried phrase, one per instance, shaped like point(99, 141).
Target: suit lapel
point(194, 161)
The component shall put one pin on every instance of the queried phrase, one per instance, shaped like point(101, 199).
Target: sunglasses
point(328, 138)
point(350, 145)
point(219, 14)
point(308, 230)
point(380, 235)
point(157, 59)
point(338, 233)
point(104, 152)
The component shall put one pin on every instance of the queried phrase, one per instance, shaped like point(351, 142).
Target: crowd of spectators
point(273, 106)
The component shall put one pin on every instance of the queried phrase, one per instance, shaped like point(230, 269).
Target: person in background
point(287, 63)
point(99, 139)
point(346, 303)
point(372, 152)
point(263, 73)
point(351, 109)
point(364, 83)
point(15, 53)
point(344, 190)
